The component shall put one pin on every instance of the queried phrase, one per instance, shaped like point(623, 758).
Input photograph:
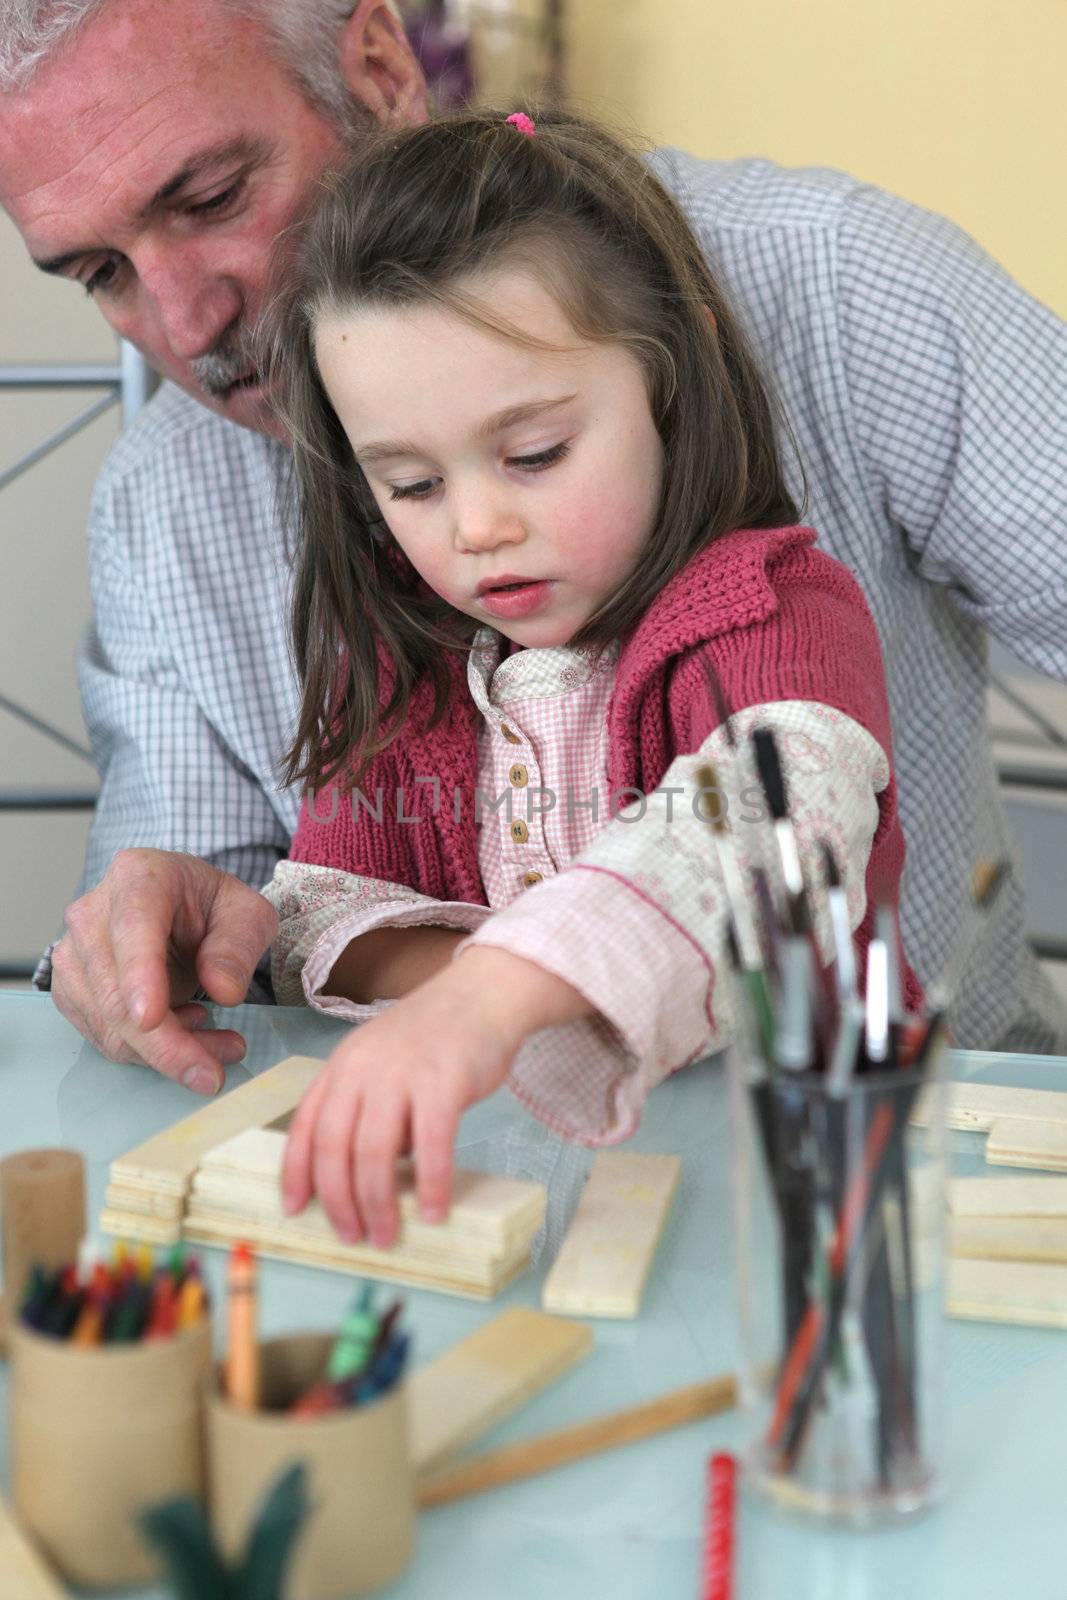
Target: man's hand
point(156, 928)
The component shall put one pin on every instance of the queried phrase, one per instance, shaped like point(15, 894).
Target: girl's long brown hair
point(414, 219)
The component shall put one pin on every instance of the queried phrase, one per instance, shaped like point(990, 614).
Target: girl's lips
point(521, 601)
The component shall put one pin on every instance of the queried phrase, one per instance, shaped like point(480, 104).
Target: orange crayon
point(242, 1353)
point(192, 1301)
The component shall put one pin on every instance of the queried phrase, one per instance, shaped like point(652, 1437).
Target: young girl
point(542, 504)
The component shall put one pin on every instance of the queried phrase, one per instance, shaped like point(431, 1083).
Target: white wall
point(43, 590)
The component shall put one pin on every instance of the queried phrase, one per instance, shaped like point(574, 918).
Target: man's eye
point(412, 491)
point(103, 278)
point(217, 202)
point(543, 458)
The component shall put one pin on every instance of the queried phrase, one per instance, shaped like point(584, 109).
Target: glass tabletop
point(626, 1524)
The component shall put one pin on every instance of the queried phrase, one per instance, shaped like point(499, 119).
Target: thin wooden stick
point(549, 1450)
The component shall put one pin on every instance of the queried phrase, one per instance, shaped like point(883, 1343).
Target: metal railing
point(127, 383)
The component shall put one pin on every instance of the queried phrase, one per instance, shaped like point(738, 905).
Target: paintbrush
point(772, 780)
point(711, 809)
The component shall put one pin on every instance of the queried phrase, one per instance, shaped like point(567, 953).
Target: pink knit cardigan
point(776, 618)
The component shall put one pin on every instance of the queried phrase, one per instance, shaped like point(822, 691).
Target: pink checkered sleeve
point(637, 922)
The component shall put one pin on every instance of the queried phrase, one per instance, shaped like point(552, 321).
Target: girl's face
point(521, 483)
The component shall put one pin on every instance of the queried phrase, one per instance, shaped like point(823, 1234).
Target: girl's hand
point(404, 1079)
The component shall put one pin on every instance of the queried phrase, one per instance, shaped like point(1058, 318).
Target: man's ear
point(379, 65)
point(712, 324)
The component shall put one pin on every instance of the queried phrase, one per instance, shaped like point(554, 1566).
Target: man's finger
point(177, 1053)
point(144, 901)
point(240, 926)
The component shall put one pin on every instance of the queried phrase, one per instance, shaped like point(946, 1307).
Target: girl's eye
point(412, 491)
point(543, 458)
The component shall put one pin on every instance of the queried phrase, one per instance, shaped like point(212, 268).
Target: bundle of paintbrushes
point(842, 1333)
point(130, 1298)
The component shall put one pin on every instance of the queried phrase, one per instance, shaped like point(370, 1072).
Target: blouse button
point(509, 734)
point(519, 775)
point(519, 831)
point(530, 878)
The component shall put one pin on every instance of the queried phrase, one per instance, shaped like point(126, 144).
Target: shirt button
point(530, 878)
point(509, 734)
point(519, 775)
point(519, 831)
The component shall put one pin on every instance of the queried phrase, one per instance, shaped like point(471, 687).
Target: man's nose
point(194, 305)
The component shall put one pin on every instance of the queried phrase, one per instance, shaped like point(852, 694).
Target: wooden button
point(509, 734)
point(519, 775)
point(530, 878)
point(519, 831)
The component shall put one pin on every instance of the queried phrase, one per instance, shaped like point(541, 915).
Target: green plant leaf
point(273, 1537)
point(179, 1530)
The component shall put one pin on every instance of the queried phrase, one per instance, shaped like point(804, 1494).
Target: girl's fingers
point(296, 1163)
point(331, 1157)
point(382, 1134)
point(436, 1124)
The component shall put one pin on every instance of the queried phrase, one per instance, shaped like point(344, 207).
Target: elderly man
point(154, 150)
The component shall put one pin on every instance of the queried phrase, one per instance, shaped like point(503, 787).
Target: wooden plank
point(23, 1573)
point(1008, 1197)
point(463, 1393)
point(974, 1107)
point(146, 1202)
point(387, 1265)
point(1009, 1238)
point(134, 1225)
point(1034, 1293)
point(167, 1161)
point(605, 1258)
point(546, 1452)
point(1014, 1142)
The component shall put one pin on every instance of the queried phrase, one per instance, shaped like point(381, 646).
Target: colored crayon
point(242, 1353)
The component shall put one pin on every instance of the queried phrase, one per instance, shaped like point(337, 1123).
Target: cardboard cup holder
point(97, 1434)
point(360, 1532)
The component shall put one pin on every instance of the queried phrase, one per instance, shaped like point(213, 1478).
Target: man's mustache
point(232, 358)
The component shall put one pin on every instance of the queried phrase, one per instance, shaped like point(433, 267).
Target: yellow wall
point(959, 105)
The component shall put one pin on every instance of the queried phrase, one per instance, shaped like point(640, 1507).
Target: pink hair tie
point(520, 120)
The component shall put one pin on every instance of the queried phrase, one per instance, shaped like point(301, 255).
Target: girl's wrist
point(522, 996)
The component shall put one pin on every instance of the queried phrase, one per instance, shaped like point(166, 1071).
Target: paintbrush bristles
point(711, 805)
point(770, 772)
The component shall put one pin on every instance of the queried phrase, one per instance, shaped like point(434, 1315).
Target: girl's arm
point(407, 1078)
point(586, 991)
point(388, 963)
point(347, 942)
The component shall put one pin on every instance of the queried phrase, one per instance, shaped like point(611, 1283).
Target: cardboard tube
point(42, 1215)
point(361, 1529)
point(98, 1433)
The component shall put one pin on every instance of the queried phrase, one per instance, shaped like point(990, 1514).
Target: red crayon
point(163, 1313)
point(718, 1581)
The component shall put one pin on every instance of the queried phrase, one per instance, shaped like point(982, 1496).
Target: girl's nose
point(482, 524)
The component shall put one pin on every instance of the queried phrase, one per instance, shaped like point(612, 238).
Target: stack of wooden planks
point(236, 1194)
point(1007, 1235)
point(215, 1179)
